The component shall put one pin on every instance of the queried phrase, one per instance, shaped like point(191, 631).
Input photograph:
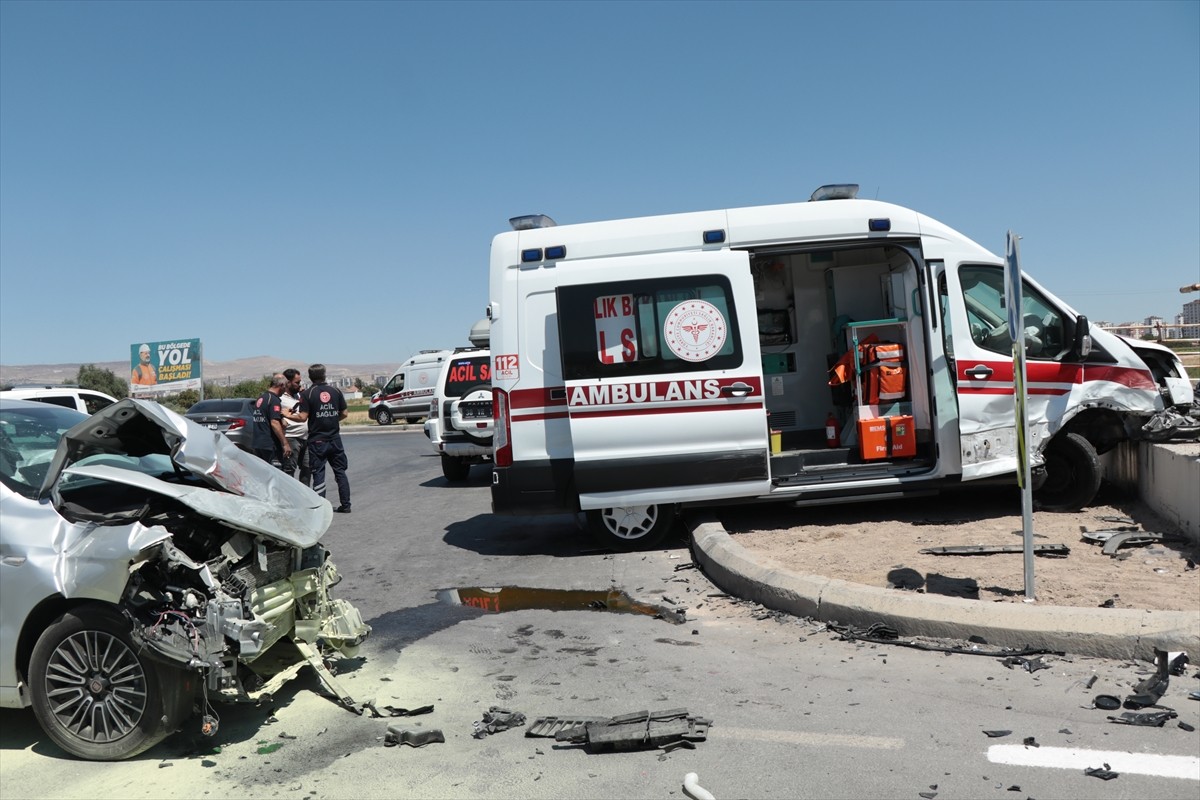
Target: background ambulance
point(817, 352)
point(406, 394)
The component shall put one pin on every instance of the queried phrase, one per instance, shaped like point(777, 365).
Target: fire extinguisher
point(831, 431)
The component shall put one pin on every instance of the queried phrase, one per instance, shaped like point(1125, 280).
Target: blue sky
point(321, 181)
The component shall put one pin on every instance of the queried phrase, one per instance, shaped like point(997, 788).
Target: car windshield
point(28, 439)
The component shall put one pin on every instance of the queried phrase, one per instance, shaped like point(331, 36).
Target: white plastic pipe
point(693, 789)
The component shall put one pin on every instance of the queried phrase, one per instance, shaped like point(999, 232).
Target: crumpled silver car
point(149, 568)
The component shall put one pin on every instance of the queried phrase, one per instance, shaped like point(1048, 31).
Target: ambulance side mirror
point(1083, 337)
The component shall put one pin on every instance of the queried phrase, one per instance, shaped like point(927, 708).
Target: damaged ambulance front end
point(176, 571)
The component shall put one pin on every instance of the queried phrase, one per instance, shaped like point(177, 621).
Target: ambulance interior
point(816, 309)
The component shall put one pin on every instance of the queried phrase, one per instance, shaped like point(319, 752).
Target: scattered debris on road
point(497, 719)
point(397, 736)
point(1149, 719)
point(641, 730)
point(1104, 773)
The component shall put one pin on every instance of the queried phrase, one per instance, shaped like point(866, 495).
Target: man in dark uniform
point(267, 439)
point(324, 407)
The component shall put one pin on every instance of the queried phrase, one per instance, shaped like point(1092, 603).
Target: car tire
point(95, 696)
point(631, 527)
point(1072, 474)
point(455, 469)
point(383, 416)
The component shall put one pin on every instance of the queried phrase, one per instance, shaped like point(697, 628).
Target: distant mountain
point(239, 369)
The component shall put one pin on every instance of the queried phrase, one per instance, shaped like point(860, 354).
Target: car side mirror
point(1083, 337)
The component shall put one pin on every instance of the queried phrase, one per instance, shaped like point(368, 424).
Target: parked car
point(148, 568)
point(232, 416)
point(87, 401)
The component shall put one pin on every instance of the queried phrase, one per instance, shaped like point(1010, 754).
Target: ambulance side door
point(972, 296)
point(663, 378)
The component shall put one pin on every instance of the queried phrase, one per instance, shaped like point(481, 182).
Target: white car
point(460, 415)
point(87, 401)
point(148, 566)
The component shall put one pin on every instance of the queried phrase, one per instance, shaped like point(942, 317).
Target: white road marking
point(1080, 759)
point(807, 739)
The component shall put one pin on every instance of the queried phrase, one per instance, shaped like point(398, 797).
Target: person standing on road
point(324, 407)
point(268, 440)
point(294, 427)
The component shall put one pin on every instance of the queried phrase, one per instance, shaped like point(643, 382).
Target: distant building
point(1190, 318)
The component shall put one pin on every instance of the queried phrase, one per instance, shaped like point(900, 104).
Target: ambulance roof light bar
point(531, 221)
point(835, 191)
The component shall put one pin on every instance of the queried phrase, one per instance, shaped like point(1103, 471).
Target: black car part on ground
point(878, 633)
point(641, 730)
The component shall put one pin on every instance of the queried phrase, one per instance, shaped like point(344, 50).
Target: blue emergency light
point(556, 252)
point(714, 237)
point(533, 254)
point(883, 224)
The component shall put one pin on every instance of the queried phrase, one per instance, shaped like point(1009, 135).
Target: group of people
point(301, 430)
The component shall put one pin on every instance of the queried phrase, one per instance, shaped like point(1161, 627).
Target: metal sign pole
point(1016, 331)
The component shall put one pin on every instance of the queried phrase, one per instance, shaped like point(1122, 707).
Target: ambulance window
point(983, 298)
point(645, 327)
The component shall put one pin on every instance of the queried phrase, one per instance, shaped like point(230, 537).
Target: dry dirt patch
point(878, 544)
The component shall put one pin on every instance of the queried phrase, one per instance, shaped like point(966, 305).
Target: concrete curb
point(1107, 633)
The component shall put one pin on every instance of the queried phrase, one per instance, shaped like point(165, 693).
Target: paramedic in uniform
point(267, 440)
point(324, 407)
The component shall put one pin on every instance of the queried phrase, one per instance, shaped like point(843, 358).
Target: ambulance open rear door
point(663, 378)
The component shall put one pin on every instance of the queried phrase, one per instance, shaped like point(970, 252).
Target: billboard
point(161, 368)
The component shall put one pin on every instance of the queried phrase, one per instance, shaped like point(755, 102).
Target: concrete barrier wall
point(1165, 476)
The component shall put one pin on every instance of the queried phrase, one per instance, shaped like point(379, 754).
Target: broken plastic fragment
point(996, 734)
point(396, 736)
point(1151, 690)
point(497, 719)
point(1149, 719)
point(1107, 702)
point(1030, 742)
point(1104, 774)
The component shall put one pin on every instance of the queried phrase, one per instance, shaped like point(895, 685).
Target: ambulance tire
point(1072, 474)
point(383, 416)
point(631, 527)
point(455, 469)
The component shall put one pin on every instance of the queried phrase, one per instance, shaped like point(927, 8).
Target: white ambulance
point(407, 393)
point(828, 351)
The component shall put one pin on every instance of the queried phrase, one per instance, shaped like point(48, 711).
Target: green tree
point(101, 380)
point(184, 400)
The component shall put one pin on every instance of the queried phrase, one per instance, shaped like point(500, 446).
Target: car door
point(978, 339)
point(663, 378)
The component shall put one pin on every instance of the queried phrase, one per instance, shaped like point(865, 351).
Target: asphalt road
point(796, 713)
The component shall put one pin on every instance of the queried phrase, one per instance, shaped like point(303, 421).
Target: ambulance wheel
point(455, 469)
point(383, 416)
point(1072, 474)
point(631, 527)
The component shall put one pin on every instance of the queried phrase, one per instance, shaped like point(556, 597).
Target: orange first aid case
point(887, 437)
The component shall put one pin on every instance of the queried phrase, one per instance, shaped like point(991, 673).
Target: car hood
point(246, 492)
